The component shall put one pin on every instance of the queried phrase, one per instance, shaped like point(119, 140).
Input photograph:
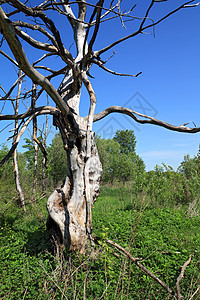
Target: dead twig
point(195, 293)
point(179, 296)
point(141, 266)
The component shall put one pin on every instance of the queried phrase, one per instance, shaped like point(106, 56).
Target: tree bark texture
point(70, 206)
point(17, 180)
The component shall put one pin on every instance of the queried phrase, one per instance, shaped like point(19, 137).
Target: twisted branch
point(38, 110)
point(141, 28)
point(180, 277)
point(9, 33)
point(101, 65)
point(35, 12)
point(142, 267)
point(147, 119)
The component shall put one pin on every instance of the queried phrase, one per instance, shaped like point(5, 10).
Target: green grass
point(163, 238)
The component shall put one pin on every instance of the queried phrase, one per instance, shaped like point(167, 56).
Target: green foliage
point(166, 187)
point(6, 169)
point(109, 151)
point(23, 241)
point(127, 141)
point(119, 159)
point(190, 166)
point(7, 186)
point(56, 167)
point(57, 160)
point(30, 153)
point(163, 237)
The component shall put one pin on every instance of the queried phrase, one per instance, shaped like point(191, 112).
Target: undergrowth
point(162, 238)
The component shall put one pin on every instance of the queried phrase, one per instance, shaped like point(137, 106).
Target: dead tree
point(35, 140)
point(44, 159)
point(15, 160)
point(15, 105)
point(70, 206)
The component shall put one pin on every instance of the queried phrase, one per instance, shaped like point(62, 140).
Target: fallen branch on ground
point(141, 266)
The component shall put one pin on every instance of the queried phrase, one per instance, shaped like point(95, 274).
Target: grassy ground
point(163, 238)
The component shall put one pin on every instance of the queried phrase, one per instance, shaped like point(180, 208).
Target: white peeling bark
point(17, 180)
point(71, 91)
point(70, 207)
point(15, 160)
point(35, 170)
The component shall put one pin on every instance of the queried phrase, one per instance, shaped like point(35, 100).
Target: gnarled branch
point(43, 57)
point(35, 43)
point(147, 119)
point(97, 23)
point(141, 28)
point(43, 111)
point(9, 58)
point(17, 50)
point(12, 88)
point(33, 105)
point(35, 12)
point(180, 277)
point(142, 267)
point(101, 65)
point(38, 28)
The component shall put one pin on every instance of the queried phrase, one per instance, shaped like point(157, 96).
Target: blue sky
point(168, 88)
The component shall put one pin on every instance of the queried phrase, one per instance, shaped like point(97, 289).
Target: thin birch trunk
point(44, 172)
point(44, 158)
point(33, 104)
point(35, 170)
point(15, 160)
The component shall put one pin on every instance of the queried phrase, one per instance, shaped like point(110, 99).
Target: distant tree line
point(121, 164)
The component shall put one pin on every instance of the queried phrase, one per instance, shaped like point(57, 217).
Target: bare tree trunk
point(35, 170)
point(15, 161)
point(44, 172)
point(70, 207)
point(33, 104)
point(44, 157)
point(17, 180)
